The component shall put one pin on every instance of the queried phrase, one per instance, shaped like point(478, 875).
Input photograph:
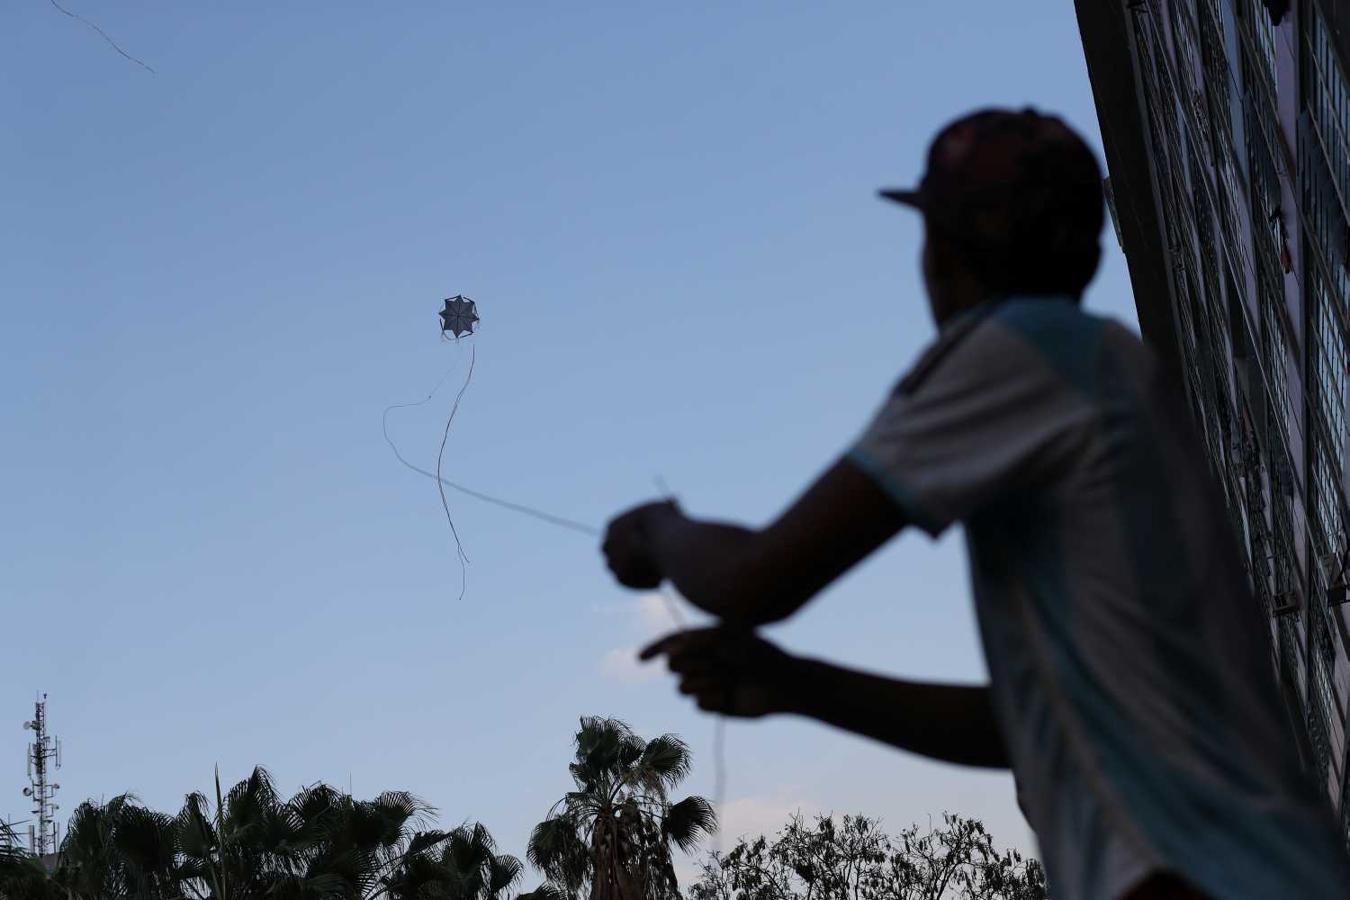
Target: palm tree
point(323, 844)
point(458, 865)
point(118, 849)
point(248, 843)
point(22, 875)
point(251, 843)
point(613, 834)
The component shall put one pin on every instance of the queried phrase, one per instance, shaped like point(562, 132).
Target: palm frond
point(547, 892)
point(601, 744)
point(688, 822)
point(424, 841)
point(196, 832)
point(556, 849)
point(503, 872)
point(146, 840)
point(665, 762)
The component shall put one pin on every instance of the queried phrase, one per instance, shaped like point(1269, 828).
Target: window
point(1324, 706)
point(1248, 504)
point(1275, 352)
point(1159, 93)
point(1319, 731)
point(1325, 220)
point(1289, 654)
point(1218, 79)
point(1345, 806)
point(1260, 32)
point(1262, 146)
point(1325, 499)
point(1285, 572)
point(1186, 44)
point(1327, 100)
point(1329, 372)
point(1327, 384)
point(1205, 231)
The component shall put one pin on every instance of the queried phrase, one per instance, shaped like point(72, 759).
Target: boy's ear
point(941, 256)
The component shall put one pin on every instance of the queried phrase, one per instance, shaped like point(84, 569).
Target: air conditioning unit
point(1285, 604)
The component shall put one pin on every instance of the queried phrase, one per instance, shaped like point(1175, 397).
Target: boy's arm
point(952, 723)
point(738, 674)
point(748, 577)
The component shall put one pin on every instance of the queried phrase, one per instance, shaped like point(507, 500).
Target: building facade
point(1226, 125)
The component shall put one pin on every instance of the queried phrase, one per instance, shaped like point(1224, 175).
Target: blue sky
point(220, 274)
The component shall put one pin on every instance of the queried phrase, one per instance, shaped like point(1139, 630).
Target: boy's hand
point(728, 672)
point(627, 550)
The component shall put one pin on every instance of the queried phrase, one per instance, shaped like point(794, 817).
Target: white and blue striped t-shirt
point(1130, 673)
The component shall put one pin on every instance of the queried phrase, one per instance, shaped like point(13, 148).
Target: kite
point(459, 320)
point(459, 316)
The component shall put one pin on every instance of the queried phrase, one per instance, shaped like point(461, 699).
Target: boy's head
point(1012, 204)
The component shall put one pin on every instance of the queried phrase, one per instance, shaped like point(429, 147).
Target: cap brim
point(906, 196)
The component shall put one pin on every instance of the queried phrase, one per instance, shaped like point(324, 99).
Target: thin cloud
point(621, 664)
point(658, 613)
point(651, 615)
point(763, 814)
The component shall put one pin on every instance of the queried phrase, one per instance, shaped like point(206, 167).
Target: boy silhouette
point(1130, 690)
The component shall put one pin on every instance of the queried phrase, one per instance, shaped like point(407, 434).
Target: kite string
point(719, 722)
point(666, 592)
point(672, 607)
point(719, 779)
point(719, 731)
point(103, 34)
point(541, 515)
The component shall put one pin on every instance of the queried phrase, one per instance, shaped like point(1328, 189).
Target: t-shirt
point(1129, 666)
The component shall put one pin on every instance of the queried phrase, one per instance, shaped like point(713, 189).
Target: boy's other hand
point(627, 547)
point(730, 672)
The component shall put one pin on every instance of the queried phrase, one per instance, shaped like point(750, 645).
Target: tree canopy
point(614, 836)
point(853, 859)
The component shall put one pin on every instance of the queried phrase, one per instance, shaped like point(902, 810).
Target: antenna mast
point(44, 758)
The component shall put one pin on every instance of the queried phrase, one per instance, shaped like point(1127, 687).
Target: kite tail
point(440, 482)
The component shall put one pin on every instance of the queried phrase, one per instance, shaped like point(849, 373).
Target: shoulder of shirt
point(1059, 333)
point(959, 335)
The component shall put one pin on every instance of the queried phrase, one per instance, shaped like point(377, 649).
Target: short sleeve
point(990, 416)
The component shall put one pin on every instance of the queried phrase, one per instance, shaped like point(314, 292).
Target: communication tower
point(44, 758)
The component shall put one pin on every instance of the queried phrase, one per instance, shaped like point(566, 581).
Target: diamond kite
point(459, 316)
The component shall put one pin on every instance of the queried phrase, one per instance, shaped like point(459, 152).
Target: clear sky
point(217, 276)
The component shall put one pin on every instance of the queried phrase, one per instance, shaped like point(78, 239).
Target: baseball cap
point(998, 179)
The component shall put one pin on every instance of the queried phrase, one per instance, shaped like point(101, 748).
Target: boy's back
point(1127, 664)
